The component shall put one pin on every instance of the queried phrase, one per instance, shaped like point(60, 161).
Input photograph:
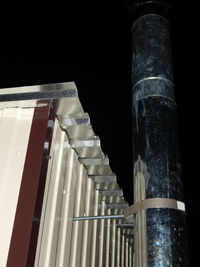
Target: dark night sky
point(89, 42)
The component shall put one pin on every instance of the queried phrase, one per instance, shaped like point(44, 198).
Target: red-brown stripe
point(40, 193)
point(21, 234)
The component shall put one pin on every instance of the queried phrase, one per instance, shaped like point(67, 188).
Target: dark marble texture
point(166, 245)
point(155, 144)
point(151, 48)
point(155, 141)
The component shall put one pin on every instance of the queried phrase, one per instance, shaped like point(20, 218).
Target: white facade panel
point(15, 126)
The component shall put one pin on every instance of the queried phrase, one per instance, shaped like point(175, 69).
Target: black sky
point(89, 42)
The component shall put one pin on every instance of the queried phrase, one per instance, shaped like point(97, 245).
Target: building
point(53, 175)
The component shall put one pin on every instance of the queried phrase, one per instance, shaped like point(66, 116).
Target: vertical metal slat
point(107, 240)
point(118, 247)
point(85, 224)
point(122, 251)
point(101, 236)
point(68, 194)
point(73, 249)
point(94, 229)
point(126, 252)
point(113, 242)
point(130, 255)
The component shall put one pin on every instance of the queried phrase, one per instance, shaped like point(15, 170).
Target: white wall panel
point(15, 126)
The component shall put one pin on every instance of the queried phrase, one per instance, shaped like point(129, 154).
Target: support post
point(159, 232)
